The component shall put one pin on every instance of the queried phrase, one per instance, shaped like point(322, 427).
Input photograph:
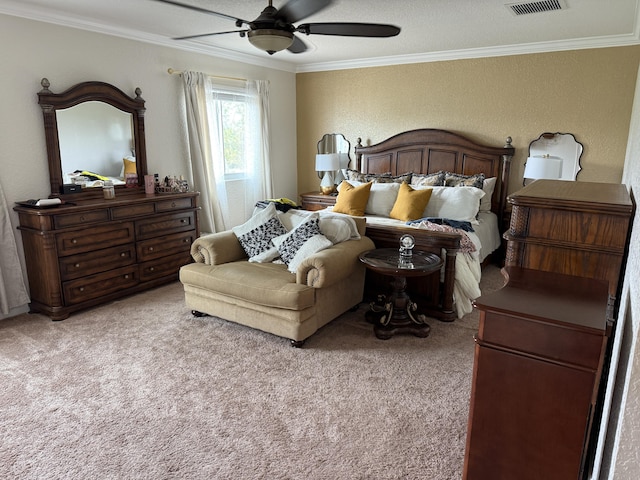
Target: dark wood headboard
point(429, 150)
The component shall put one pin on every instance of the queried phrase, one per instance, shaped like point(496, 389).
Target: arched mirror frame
point(330, 142)
point(563, 145)
point(87, 92)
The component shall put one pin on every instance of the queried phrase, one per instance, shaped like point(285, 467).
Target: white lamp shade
point(546, 166)
point(327, 162)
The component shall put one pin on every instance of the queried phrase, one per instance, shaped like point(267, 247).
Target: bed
point(429, 151)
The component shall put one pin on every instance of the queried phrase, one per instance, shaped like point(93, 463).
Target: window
point(232, 121)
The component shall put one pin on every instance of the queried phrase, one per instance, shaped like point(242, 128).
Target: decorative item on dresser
point(539, 358)
point(89, 248)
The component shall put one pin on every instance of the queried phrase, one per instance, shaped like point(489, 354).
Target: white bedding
point(486, 238)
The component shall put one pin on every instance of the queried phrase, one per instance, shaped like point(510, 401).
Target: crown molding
point(501, 51)
point(18, 10)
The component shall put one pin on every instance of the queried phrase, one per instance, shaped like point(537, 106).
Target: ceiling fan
point(273, 30)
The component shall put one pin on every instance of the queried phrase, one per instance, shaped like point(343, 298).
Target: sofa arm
point(332, 264)
point(217, 248)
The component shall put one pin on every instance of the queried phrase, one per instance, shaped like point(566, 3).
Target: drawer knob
point(123, 254)
point(173, 204)
point(74, 241)
point(82, 218)
point(151, 249)
point(184, 220)
point(81, 289)
point(126, 276)
point(77, 265)
point(151, 269)
point(187, 240)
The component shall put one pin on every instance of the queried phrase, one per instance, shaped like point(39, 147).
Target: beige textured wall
point(588, 93)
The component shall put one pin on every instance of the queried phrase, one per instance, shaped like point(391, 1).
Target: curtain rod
point(172, 71)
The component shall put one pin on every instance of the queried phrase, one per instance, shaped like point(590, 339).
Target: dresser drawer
point(174, 204)
point(81, 218)
point(94, 238)
point(129, 211)
point(99, 285)
point(75, 266)
point(543, 340)
point(163, 267)
point(165, 224)
point(165, 245)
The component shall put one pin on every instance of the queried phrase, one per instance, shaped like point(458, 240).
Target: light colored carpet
point(141, 389)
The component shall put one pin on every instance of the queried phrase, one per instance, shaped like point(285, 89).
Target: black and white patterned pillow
point(256, 234)
point(258, 240)
point(427, 179)
point(301, 242)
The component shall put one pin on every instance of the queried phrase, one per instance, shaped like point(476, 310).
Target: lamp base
point(327, 190)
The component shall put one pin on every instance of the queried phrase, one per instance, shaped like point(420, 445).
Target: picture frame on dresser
point(89, 249)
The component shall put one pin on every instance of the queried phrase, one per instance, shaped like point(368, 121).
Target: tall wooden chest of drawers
point(82, 255)
point(575, 228)
point(539, 358)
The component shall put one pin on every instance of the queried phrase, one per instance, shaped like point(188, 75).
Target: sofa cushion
point(255, 234)
point(267, 284)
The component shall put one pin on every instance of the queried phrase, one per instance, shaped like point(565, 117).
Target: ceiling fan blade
point(241, 32)
point(347, 29)
point(239, 21)
point(298, 46)
point(295, 10)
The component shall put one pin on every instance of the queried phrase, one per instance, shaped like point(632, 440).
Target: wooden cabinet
point(317, 201)
point(83, 255)
point(538, 363)
point(575, 228)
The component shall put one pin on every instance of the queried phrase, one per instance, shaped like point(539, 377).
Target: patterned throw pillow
point(405, 177)
point(457, 180)
point(255, 234)
point(301, 242)
point(427, 179)
point(357, 176)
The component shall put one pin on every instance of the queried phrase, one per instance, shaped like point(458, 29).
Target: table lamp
point(326, 165)
point(544, 166)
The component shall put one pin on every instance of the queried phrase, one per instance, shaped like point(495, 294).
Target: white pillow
point(454, 203)
point(489, 185)
point(336, 227)
point(301, 242)
point(382, 197)
point(255, 234)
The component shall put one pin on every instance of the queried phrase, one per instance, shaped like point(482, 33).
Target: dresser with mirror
point(88, 250)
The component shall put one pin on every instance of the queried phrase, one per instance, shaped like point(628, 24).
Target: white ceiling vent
point(524, 8)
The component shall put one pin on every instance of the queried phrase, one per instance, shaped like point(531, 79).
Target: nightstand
point(317, 201)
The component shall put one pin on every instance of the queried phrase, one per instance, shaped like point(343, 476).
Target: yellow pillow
point(352, 200)
point(129, 166)
point(410, 203)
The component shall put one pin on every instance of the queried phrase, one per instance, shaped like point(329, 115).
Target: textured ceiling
point(431, 29)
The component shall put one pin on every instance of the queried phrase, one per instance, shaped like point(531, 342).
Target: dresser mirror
point(93, 127)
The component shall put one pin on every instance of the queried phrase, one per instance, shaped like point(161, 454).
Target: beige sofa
point(266, 296)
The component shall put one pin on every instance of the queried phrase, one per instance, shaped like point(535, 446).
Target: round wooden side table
point(399, 314)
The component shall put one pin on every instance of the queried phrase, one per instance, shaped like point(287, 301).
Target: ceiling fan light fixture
point(269, 40)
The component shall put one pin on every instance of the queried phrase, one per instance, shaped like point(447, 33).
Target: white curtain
point(227, 204)
point(205, 152)
point(13, 291)
point(259, 179)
